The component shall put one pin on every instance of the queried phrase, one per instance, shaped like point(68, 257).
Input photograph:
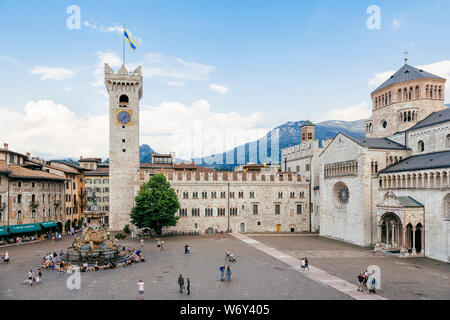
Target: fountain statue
point(94, 244)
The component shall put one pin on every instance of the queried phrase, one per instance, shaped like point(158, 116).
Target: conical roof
point(407, 73)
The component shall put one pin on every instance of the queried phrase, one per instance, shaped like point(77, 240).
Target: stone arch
point(420, 146)
point(242, 227)
point(389, 228)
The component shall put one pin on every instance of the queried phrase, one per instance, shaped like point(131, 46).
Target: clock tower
point(125, 91)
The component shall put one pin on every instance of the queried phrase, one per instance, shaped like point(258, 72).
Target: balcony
point(34, 204)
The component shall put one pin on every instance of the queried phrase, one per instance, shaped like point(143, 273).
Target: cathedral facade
point(390, 190)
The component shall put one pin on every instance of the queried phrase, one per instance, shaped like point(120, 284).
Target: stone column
point(422, 238)
point(414, 241)
point(393, 233)
point(378, 244)
point(404, 250)
point(387, 234)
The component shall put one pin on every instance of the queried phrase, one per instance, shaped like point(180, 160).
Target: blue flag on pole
point(127, 35)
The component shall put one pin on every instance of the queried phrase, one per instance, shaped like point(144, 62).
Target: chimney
point(5, 145)
point(28, 154)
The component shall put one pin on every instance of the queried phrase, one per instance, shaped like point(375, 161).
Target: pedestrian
point(372, 285)
point(229, 273)
point(306, 263)
point(181, 283)
point(158, 246)
point(53, 239)
point(222, 271)
point(186, 249)
point(360, 282)
point(303, 265)
point(30, 277)
point(366, 277)
point(188, 286)
point(141, 289)
point(39, 276)
point(142, 244)
point(227, 255)
point(6, 257)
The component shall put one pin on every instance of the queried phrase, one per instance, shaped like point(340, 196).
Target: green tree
point(156, 205)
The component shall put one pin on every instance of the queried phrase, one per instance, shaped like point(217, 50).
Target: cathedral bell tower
point(125, 91)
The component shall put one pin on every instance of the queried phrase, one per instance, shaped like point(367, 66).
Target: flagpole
point(123, 35)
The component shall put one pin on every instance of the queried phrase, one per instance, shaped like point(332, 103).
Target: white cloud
point(396, 23)
point(175, 83)
point(114, 28)
point(99, 71)
point(156, 65)
point(52, 73)
point(67, 89)
point(47, 128)
point(218, 88)
point(360, 111)
point(440, 68)
point(195, 131)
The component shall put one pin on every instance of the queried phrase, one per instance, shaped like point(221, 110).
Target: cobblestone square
point(256, 275)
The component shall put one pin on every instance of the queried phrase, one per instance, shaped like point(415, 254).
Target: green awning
point(22, 228)
point(48, 224)
point(3, 231)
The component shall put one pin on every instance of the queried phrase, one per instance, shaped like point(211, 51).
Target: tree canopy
point(156, 205)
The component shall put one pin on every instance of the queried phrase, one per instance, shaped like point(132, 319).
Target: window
point(223, 194)
point(232, 195)
point(195, 195)
point(233, 211)
point(105, 189)
point(213, 194)
point(19, 184)
point(19, 215)
point(421, 146)
point(209, 212)
point(204, 195)
point(302, 195)
point(19, 198)
point(33, 184)
point(33, 214)
point(195, 225)
point(299, 209)
point(241, 194)
point(297, 169)
point(97, 181)
point(277, 209)
point(252, 194)
point(123, 101)
point(123, 140)
point(183, 212)
point(220, 212)
point(195, 212)
point(448, 141)
point(292, 195)
point(185, 195)
point(255, 209)
point(88, 181)
point(280, 195)
point(105, 181)
point(95, 189)
point(307, 167)
point(123, 150)
point(105, 199)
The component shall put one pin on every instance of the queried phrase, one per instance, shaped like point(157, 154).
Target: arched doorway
point(418, 238)
point(210, 230)
point(242, 227)
point(390, 229)
point(59, 227)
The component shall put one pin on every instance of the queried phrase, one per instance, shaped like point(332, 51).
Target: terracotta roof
point(4, 167)
point(90, 160)
point(68, 164)
point(21, 172)
point(100, 171)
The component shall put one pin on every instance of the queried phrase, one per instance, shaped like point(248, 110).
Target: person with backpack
point(360, 282)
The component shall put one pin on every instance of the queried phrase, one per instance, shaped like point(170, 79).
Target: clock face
point(123, 117)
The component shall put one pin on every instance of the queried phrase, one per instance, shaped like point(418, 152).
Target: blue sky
point(268, 61)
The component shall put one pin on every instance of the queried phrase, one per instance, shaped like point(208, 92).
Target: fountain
point(94, 244)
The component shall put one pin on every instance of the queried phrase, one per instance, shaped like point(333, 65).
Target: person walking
point(188, 285)
point(6, 257)
point(186, 249)
point(306, 263)
point(372, 285)
point(39, 276)
point(229, 273)
point(181, 283)
point(140, 285)
point(303, 265)
point(158, 246)
point(360, 282)
point(222, 271)
point(227, 255)
point(30, 277)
